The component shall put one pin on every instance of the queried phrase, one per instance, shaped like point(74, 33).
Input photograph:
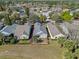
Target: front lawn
point(51, 51)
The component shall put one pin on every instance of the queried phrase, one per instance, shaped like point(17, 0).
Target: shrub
point(61, 41)
point(23, 41)
point(69, 55)
point(13, 41)
point(77, 52)
point(70, 45)
point(0, 42)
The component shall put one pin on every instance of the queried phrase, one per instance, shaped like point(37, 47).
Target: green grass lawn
point(51, 51)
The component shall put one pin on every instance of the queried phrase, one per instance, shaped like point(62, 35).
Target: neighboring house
point(20, 31)
point(8, 30)
point(46, 13)
point(22, 12)
point(76, 10)
point(44, 9)
point(64, 10)
point(56, 9)
point(73, 29)
point(53, 31)
point(50, 20)
point(64, 29)
point(39, 30)
point(76, 22)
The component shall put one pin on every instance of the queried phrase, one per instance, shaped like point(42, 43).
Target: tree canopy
point(42, 18)
point(66, 16)
point(69, 44)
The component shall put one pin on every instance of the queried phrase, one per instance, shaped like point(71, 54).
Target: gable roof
point(7, 30)
point(22, 30)
point(53, 29)
point(64, 28)
point(73, 30)
point(16, 29)
point(39, 29)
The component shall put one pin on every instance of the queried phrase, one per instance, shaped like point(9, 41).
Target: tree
point(2, 7)
point(69, 55)
point(1, 38)
point(1, 16)
point(54, 16)
point(24, 18)
point(77, 52)
point(9, 11)
point(27, 11)
point(42, 18)
point(76, 15)
point(61, 41)
point(7, 20)
point(33, 18)
point(13, 41)
point(15, 15)
point(66, 16)
point(70, 45)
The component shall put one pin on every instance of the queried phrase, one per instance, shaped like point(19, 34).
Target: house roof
point(75, 22)
point(22, 30)
point(27, 30)
point(64, 28)
point(73, 30)
point(53, 29)
point(16, 29)
point(39, 29)
point(7, 30)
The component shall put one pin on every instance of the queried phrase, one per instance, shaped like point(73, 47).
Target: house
point(64, 10)
point(64, 29)
point(73, 29)
point(20, 31)
point(21, 11)
point(75, 22)
point(56, 8)
point(8, 30)
point(46, 13)
point(40, 31)
point(53, 31)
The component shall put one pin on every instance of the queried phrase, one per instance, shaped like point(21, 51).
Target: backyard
point(51, 51)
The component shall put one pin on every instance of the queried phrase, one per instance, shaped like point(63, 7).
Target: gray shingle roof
point(64, 28)
point(73, 30)
point(53, 29)
point(39, 29)
point(27, 30)
point(9, 30)
point(16, 29)
point(22, 30)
